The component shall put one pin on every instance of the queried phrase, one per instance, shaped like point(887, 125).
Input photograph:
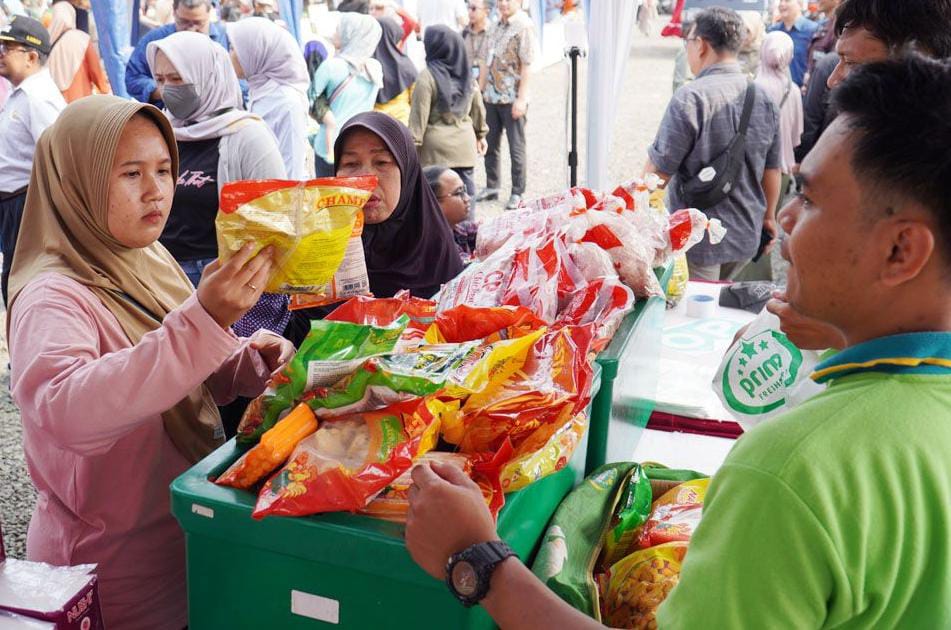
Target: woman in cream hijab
point(116, 362)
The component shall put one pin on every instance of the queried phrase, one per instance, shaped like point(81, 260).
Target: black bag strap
point(747, 107)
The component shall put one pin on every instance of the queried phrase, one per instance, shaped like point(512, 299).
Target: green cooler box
point(329, 570)
point(629, 373)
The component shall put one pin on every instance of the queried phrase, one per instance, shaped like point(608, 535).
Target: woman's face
point(141, 185)
point(365, 153)
point(165, 73)
point(453, 197)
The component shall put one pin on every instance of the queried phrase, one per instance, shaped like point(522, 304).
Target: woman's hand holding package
point(275, 351)
point(228, 290)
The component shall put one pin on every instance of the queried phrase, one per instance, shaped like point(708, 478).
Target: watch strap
point(483, 558)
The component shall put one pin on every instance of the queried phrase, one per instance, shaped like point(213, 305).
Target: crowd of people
point(111, 275)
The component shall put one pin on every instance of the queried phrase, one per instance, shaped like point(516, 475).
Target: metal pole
point(574, 52)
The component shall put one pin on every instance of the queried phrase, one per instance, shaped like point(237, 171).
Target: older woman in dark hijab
point(447, 118)
point(407, 240)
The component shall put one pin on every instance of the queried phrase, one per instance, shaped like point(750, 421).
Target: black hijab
point(398, 70)
point(448, 62)
point(414, 248)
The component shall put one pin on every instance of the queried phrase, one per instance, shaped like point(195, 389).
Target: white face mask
point(181, 100)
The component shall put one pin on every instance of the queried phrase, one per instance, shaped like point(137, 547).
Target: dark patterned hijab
point(448, 62)
point(414, 248)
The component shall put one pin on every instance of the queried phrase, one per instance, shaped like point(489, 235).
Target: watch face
point(464, 579)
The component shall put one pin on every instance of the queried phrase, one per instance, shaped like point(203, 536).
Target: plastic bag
point(330, 351)
point(602, 305)
point(635, 587)
point(311, 226)
point(275, 447)
point(490, 324)
point(675, 515)
point(572, 543)
point(542, 275)
point(454, 370)
point(393, 503)
point(631, 512)
point(348, 461)
point(384, 311)
point(351, 278)
point(544, 452)
point(764, 374)
point(687, 228)
point(554, 385)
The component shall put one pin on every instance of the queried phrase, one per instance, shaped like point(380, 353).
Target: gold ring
point(252, 287)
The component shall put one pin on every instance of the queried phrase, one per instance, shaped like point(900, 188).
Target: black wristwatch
point(469, 572)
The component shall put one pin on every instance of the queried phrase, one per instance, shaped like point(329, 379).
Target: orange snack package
point(275, 447)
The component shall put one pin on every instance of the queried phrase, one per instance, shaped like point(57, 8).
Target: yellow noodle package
point(314, 227)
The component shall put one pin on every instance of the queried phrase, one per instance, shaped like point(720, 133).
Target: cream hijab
point(65, 231)
point(69, 45)
point(207, 65)
point(269, 56)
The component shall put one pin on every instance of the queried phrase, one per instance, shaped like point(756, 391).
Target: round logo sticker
point(759, 371)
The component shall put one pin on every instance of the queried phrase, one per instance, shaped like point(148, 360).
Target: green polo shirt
point(838, 513)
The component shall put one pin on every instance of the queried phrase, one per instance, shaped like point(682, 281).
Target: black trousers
point(11, 214)
point(499, 119)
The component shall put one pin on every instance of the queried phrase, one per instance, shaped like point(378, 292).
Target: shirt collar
point(32, 83)
point(911, 353)
point(728, 67)
point(799, 24)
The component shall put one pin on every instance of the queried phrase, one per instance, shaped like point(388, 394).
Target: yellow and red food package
point(276, 445)
point(675, 515)
point(314, 227)
point(552, 387)
point(490, 324)
point(349, 460)
point(546, 451)
point(633, 589)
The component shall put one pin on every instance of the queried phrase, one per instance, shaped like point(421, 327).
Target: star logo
point(763, 345)
point(743, 362)
point(749, 349)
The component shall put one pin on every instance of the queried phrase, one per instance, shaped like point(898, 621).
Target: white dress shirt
point(33, 106)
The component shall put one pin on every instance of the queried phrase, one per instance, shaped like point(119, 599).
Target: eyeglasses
point(190, 25)
point(460, 192)
point(4, 49)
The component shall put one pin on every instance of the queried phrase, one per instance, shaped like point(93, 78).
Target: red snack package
point(382, 312)
point(490, 324)
point(349, 460)
point(675, 516)
point(602, 304)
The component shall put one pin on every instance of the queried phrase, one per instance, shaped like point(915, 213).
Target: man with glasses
point(474, 36)
point(701, 121)
point(190, 15)
point(34, 105)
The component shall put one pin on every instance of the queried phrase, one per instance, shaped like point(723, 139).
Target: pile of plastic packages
point(493, 375)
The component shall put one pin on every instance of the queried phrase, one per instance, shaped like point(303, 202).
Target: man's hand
point(156, 95)
point(482, 146)
point(519, 107)
point(228, 290)
point(447, 514)
point(807, 333)
point(275, 350)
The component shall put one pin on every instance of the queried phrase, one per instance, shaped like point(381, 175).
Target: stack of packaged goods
point(493, 374)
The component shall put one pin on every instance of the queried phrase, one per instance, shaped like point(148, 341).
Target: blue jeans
point(193, 268)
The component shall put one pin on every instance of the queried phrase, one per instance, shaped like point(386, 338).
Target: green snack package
point(659, 472)
point(572, 544)
point(631, 512)
point(331, 351)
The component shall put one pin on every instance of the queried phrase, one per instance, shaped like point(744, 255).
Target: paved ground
point(643, 97)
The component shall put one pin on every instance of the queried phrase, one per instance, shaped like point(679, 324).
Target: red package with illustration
point(351, 459)
point(675, 516)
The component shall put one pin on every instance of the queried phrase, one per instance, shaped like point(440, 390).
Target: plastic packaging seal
point(700, 306)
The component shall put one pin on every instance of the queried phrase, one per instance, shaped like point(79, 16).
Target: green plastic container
point(331, 570)
point(629, 373)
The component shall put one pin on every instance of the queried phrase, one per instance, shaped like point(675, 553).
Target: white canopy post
point(610, 27)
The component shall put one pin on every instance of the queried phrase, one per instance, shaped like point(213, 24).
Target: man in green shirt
point(836, 514)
